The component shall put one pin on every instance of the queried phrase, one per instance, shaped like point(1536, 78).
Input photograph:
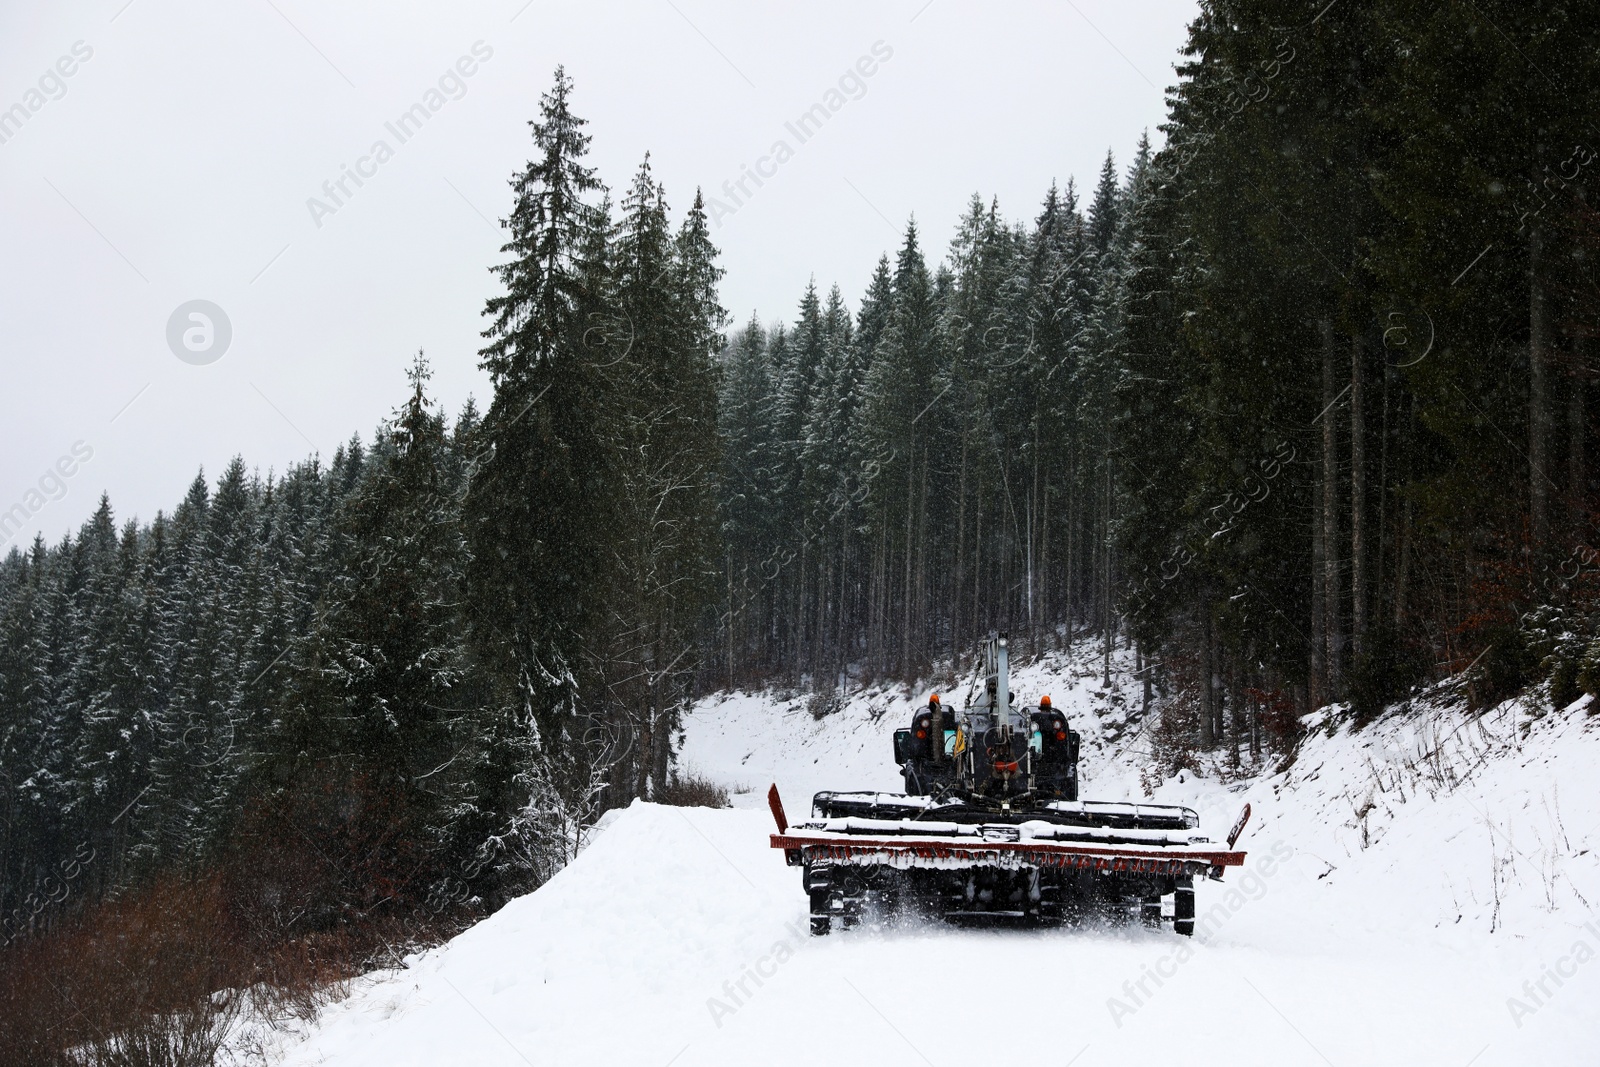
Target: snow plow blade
point(907, 831)
point(1051, 861)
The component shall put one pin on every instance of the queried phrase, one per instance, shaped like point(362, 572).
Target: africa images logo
point(199, 332)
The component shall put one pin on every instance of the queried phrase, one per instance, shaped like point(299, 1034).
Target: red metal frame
point(776, 805)
point(1043, 853)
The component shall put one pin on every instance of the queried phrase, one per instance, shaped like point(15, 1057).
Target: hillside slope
point(1402, 910)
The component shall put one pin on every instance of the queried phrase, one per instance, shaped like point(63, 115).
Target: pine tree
point(378, 751)
point(667, 284)
point(1105, 212)
point(746, 496)
point(543, 504)
point(903, 422)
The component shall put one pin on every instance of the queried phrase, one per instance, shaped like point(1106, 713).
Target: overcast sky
point(164, 151)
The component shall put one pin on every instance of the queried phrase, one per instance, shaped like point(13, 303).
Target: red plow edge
point(807, 847)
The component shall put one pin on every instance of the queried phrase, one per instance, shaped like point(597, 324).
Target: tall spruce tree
point(543, 506)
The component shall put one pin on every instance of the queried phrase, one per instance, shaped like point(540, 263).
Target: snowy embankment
point(1424, 872)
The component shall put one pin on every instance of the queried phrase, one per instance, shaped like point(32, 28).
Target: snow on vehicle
point(990, 826)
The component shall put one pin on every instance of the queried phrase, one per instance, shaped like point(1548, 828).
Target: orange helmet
point(1044, 701)
point(933, 698)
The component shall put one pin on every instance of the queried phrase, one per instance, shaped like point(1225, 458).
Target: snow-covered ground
point(1421, 892)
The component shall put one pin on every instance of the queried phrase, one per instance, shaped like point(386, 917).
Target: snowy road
point(678, 937)
point(1398, 936)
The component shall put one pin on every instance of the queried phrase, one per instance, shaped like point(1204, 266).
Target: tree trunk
point(957, 635)
point(1072, 577)
point(1045, 601)
point(904, 668)
point(977, 564)
point(1034, 508)
point(921, 612)
point(1207, 678)
point(1577, 431)
point(800, 617)
point(1402, 565)
point(1317, 684)
point(661, 751)
point(1219, 688)
point(1382, 525)
point(1110, 619)
point(1538, 397)
point(1146, 670)
point(1330, 520)
point(1358, 497)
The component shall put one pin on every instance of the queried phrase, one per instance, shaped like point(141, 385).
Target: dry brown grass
point(693, 791)
point(159, 977)
point(126, 982)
